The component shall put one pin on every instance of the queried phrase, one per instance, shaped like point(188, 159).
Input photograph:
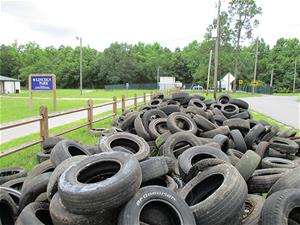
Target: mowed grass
point(92, 93)
point(27, 158)
point(12, 109)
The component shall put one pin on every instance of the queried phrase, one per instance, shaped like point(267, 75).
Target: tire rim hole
point(160, 181)
point(5, 214)
point(73, 150)
point(9, 173)
point(44, 216)
point(294, 215)
point(126, 143)
point(157, 212)
point(98, 172)
point(183, 124)
point(204, 189)
point(200, 157)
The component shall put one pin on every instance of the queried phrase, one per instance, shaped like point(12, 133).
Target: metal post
point(217, 45)
point(135, 102)
point(123, 103)
point(54, 92)
point(208, 71)
point(255, 64)
point(271, 81)
point(228, 83)
point(90, 113)
point(115, 105)
point(157, 77)
point(295, 73)
point(80, 66)
point(151, 95)
point(145, 98)
point(44, 133)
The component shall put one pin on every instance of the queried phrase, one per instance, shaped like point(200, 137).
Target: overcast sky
point(170, 22)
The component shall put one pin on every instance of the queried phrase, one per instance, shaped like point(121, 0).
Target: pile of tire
point(179, 160)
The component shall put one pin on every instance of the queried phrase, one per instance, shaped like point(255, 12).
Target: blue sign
point(41, 83)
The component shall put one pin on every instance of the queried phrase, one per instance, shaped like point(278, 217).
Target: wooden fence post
point(123, 103)
point(90, 114)
point(115, 106)
point(44, 133)
point(151, 95)
point(135, 102)
point(145, 96)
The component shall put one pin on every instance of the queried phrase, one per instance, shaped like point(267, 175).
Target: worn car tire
point(253, 135)
point(157, 127)
point(12, 173)
point(33, 189)
point(52, 185)
point(195, 154)
point(220, 130)
point(253, 207)
point(66, 149)
point(157, 166)
point(281, 207)
point(61, 216)
point(135, 144)
point(290, 180)
point(216, 196)
point(274, 162)
point(170, 146)
point(262, 180)
point(204, 123)
point(188, 123)
point(36, 213)
point(15, 183)
point(105, 181)
point(248, 164)
point(8, 209)
point(238, 140)
point(175, 209)
point(284, 145)
point(239, 102)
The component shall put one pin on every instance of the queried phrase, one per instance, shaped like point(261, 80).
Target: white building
point(9, 85)
point(224, 82)
point(166, 83)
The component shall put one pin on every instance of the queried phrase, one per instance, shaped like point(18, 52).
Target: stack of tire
point(178, 160)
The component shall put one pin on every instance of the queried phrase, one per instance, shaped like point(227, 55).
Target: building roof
point(3, 78)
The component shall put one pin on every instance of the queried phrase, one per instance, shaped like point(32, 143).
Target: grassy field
point(12, 108)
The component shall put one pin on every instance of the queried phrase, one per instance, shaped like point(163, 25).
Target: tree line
point(137, 63)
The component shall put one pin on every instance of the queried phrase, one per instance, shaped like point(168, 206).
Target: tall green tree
point(242, 16)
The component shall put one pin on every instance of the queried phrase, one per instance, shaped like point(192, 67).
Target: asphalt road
point(284, 109)
point(32, 128)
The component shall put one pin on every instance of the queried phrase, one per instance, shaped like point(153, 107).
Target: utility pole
point(217, 46)
point(271, 81)
point(157, 77)
point(208, 71)
point(255, 64)
point(80, 40)
point(295, 73)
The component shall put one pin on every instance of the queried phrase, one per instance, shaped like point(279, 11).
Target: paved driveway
point(284, 109)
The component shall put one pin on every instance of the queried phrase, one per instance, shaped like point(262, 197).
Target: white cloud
point(171, 22)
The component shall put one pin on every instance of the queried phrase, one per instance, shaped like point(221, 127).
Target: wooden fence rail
point(44, 119)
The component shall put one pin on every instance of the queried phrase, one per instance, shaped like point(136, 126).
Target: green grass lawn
point(93, 93)
point(287, 94)
point(12, 109)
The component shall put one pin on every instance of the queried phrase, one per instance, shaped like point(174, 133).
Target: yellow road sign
point(241, 81)
point(254, 83)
